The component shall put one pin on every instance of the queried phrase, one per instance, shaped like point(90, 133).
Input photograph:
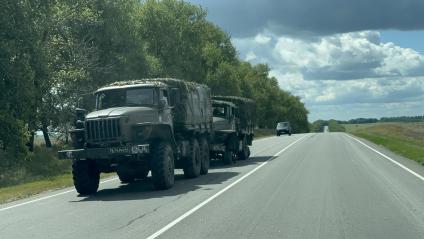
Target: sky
point(345, 59)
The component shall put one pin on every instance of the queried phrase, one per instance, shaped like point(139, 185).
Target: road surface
point(300, 186)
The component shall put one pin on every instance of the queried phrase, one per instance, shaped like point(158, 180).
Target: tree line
point(384, 119)
point(53, 52)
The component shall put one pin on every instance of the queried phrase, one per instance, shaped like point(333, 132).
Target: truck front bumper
point(105, 153)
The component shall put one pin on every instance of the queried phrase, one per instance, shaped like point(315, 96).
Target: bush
point(42, 163)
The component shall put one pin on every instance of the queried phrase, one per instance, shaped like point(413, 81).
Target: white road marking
point(390, 159)
point(194, 209)
point(47, 197)
point(73, 190)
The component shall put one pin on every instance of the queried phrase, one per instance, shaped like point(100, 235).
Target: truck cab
point(129, 115)
point(224, 115)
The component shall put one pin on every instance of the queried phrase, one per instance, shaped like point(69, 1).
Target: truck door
point(165, 115)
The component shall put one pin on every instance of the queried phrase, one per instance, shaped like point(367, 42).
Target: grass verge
point(12, 193)
point(262, 133)
point(406, 139)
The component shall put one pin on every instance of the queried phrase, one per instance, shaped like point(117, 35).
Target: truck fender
point(160, 132)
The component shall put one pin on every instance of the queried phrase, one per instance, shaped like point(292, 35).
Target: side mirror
point(175, 96)
point(80, 114)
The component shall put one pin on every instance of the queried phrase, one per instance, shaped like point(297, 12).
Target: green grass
point(24, 190)
point(406, 139)
point(40, 164)
point(40, 172)
point(11, 193)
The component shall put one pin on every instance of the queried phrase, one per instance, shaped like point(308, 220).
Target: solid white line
point(390, 159)
point(194, 209)
point(47, 197)
point(72, 190)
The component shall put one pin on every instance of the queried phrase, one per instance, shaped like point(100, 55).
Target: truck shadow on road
point(143, 189)
point(241, 163)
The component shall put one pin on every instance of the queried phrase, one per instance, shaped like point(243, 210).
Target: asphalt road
point(300, 186)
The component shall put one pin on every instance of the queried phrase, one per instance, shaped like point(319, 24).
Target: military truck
point(234, 120)
point(139, 126)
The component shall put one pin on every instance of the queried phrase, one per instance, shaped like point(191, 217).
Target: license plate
point(120, 150)
point(135, 149)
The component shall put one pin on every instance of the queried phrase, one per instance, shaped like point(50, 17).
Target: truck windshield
point(219, 111)
point(125, 97)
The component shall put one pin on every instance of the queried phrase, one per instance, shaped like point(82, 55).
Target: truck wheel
point(193, 161)
point(244, 153)
point(162, 166)
point(205, 155)
point(86, 176)
point(227, 157)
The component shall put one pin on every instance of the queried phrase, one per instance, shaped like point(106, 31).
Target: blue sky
point(345, 59)
point(407, 39)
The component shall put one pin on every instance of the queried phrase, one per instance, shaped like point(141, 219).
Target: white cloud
point(348, 56)
point(400, 61)
point(346, 70)
point(262, 39)
point(250, 56)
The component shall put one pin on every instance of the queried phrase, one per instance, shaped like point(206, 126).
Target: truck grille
point(103, 130)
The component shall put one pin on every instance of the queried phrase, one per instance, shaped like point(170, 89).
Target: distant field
point(406, 139)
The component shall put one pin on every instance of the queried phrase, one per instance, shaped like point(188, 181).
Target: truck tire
point(162, 165)
point(192, 163)
point(86, 176)
point(205, 155)
point(227, 157)
point(244, 153)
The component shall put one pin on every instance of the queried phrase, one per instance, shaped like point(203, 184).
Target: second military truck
point(139, 126)
point(234, 120)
